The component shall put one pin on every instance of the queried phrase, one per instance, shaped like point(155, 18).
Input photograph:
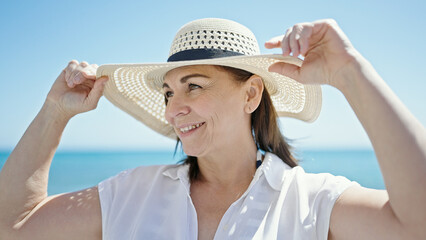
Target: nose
point(176, 107)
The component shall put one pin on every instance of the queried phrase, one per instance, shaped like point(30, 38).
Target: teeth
point(186, 129)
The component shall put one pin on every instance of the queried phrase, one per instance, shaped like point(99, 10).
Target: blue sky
point(38, 39)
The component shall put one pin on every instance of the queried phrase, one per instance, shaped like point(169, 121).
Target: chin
point(192, 150)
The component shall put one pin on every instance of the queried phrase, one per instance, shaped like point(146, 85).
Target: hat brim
point(137, 88)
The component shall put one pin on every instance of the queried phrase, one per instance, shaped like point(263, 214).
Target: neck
point(231, 167)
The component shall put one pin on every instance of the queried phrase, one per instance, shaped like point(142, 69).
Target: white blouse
point(281, 203)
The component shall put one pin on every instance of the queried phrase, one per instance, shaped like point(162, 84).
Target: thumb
point(286, 69)
point(96, 93)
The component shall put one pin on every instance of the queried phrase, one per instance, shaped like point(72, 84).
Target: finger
point(285, 43)
point(89, 74)
point(305, 34)
point(83, 72)
point(85, 88)
point(88, 83)
point(84, 64)
point(90, 71)
point(69, 69)
point(76, 78)
point(294, 40)
point(73, 63)
point(67, 77)
point(96, 92)
point(286, 69)
point(274, 42)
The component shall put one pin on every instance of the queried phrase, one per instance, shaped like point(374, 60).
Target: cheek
point(227, 107)
point(233, 101)
point(167, 116)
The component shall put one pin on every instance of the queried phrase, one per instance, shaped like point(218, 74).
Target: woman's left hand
point(326, 49)
point(398, 138)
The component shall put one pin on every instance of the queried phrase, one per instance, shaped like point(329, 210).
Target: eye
point(192, 86)
point(167, 95)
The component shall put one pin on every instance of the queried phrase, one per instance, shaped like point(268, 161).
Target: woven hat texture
point(137, 88)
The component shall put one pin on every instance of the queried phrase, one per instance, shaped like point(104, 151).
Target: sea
point(76, 170)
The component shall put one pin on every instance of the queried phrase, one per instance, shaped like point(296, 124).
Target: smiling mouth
point(189, 128)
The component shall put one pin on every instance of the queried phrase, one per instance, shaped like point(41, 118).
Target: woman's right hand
point(76, 89)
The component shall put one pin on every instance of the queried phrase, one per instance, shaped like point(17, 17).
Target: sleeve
point(120, 195)
point(330, 190)
point(110, 193)
point(321, 192)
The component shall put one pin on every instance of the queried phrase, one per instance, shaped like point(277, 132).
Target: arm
point(398, 139)
point(26, 211)
point(399, 142)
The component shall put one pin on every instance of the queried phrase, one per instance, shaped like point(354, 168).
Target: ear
point(254, 91)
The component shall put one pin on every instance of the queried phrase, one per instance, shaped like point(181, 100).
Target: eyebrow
point(185, 78)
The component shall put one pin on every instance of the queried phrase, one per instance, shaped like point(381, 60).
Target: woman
point(228, 189)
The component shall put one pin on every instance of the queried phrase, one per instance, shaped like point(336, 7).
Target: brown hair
point(265, 129)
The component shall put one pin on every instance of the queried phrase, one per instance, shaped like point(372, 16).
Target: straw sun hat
point(137, 88)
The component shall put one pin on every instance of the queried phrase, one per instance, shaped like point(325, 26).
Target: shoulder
point(138, 177)
point(316, 192)
point(309, 197)
point(135, 195)
point(279, 173)
point(132, 183)
point(315, 182)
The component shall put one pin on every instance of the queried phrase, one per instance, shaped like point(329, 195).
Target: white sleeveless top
point(281, 203)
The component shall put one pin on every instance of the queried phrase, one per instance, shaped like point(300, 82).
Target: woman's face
point(205, 106)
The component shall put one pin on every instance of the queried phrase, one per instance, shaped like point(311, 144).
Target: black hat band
point(200, 54)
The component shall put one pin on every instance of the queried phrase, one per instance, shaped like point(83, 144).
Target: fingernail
point(297, 37)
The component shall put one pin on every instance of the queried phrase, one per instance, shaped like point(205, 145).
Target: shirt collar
point(177, 172)
point(272, 166)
